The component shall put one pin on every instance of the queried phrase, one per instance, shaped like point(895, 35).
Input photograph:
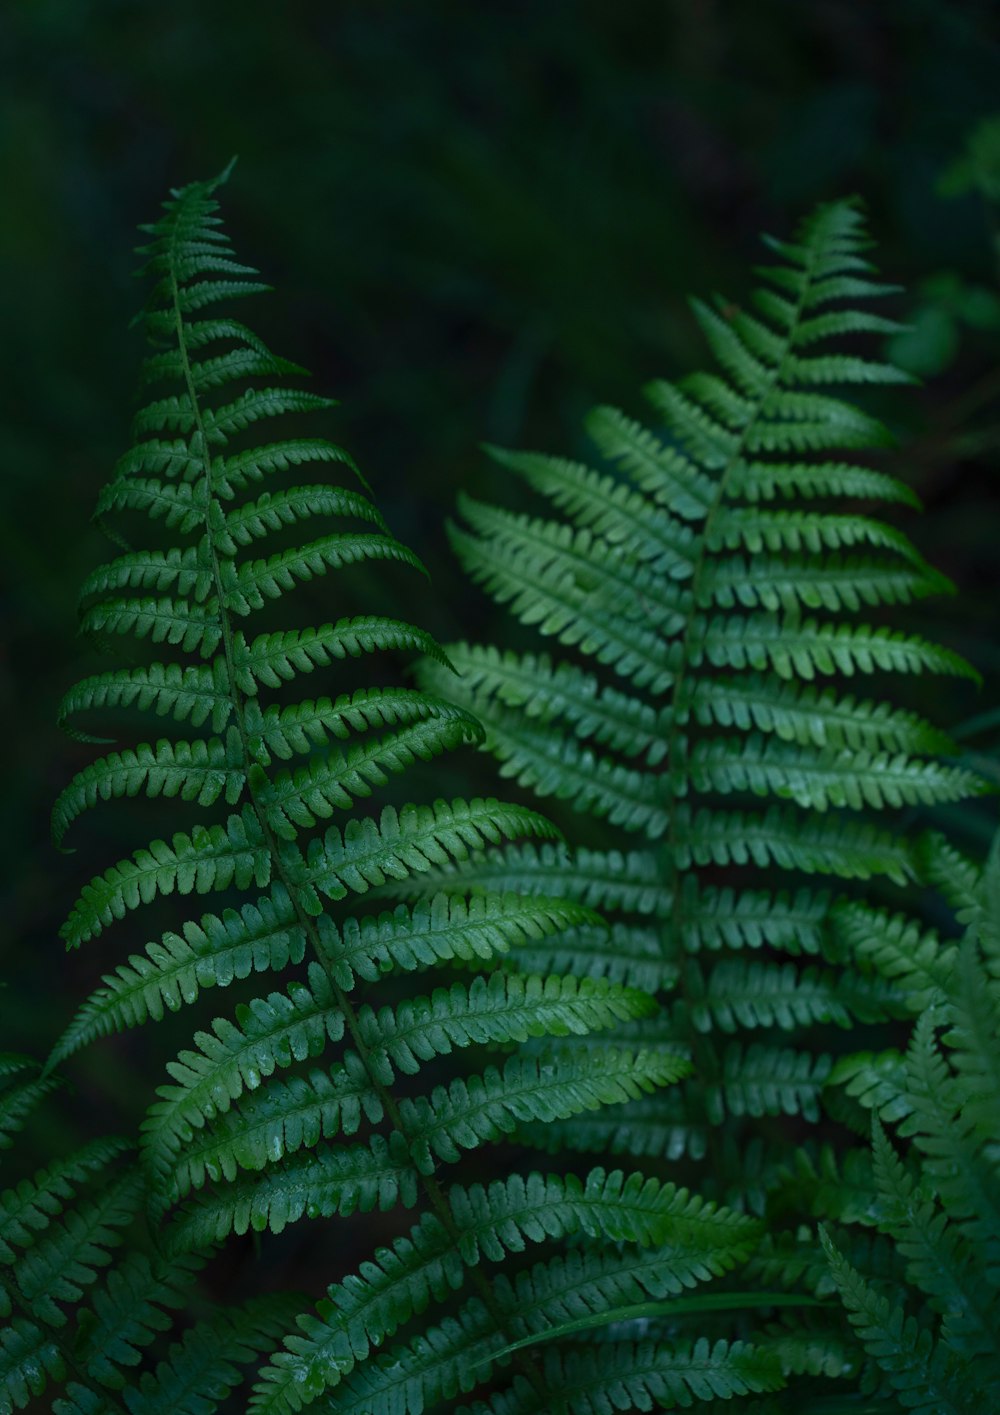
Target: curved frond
point(209, 858)
point(216, 951)
point(201, 770)
point(411, 841)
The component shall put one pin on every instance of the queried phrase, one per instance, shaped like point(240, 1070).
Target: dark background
point(480, 219)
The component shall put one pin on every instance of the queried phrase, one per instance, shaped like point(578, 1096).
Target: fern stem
point(675, 764)
point(432, 1188)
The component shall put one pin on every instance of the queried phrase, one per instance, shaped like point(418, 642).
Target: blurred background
point(480, 220)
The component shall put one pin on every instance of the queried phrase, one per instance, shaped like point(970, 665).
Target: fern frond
point(701, 723)
point(209, 858)
point(191, 627)
point(937, 1200)
point(714, 592)
point(539, 759)
point(234, 473)
point(336, 779)
point(336, 1090)
point(61, 1263)
point(847, 848)
point(714, 919)
point(762, 1080)
point(504, 1008)
point(216, 951)
point(755, 994)
point(468, 1113)
point(974, 1043)
point(830, 583)
point(253, 520)
point(187, 571)
point(273, 659)
point(642, 1129)
point(201, 770)
point(802, 713)
point(767, 481)
point(544, 690)
point(797, 648)
point(597, 879)
point(211, 1354)
point(626, 953)
point(194, 691)
point(129, 1311)
point(410, 841)
point(311, 1180)
point(253, 582)
point(268, 1034)
point(951, 871)
point(21, 1089)
point(562, 606)
point(493, 1221)
point(670, 478)
point(31, 1204)
point(605, 506)
point(298, 727)
point(76, 1314)
point(595, 1379)
point(938, 1262)
point(282, 1029)
point(444, 929)
point(847, 779)
point(965, 1176)
point(221, 423)
point(29, 1357)
point(916, 1368)
point(898, 948)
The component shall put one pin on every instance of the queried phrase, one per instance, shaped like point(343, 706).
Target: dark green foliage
point(85, 1297)
point(930, 1325)
point(354, 1082)
point(715, 592)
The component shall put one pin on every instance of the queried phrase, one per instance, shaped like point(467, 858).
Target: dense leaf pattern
point(354, 1079)
point(701, 716)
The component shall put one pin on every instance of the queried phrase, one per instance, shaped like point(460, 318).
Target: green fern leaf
point(193, 692)
point(492, 1221)
point(58, 1266)
point(907, 1354)
point(444, 929)
point(216, 951)
point(233, 473)
point(336, 779)
point(210, 858)
point(273, 659)
point(401, 843)
point(256, 581)
point(253, 520)
point(128, 1312)
point(468, 1113)
point(700, 722)
point(28, 1356)
point(201, 770)
point(702, 719)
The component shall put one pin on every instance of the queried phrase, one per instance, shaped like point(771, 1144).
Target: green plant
point(928, 1316)
point(251, 1133)
point(85, 1296)
point(715, 596)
